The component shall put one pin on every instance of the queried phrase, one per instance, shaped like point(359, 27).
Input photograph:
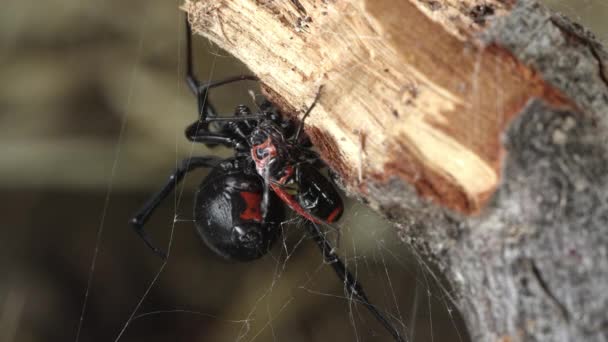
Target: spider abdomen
point(229, 218)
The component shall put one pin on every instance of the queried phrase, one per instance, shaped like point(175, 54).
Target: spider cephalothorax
point(239, 205)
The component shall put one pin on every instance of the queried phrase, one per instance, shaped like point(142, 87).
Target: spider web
point(291, 294)
point(587, 12)
point(298, 274)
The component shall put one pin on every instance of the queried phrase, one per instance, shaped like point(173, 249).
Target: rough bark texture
point(532, 265)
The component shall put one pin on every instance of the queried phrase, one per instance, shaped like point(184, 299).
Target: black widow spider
point(238, 207)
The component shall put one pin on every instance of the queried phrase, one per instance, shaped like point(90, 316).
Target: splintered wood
point(409, 93)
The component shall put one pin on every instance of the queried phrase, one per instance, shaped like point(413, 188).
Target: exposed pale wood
point(498, 111)
point(406, 95)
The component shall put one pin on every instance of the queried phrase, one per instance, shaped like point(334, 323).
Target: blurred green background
point(92, 112)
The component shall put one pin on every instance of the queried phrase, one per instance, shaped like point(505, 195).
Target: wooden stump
point(478, 127)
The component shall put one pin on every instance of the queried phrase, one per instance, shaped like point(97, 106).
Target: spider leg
point(195, 132)
point(205, 109)
point(314, 103)
point(353, 287)
point(141, 217)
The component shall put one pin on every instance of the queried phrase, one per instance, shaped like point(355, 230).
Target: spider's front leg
point(233, 133)
point(141, 217)
point(206, 110)
point(199, 133)
point(352, 286)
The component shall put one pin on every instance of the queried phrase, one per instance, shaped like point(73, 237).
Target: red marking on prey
point(253, 202)
point(334, 214)
point(288, 173)
point(293, 204)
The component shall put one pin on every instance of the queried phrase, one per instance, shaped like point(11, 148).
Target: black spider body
point(239, 205)
point(228, 213)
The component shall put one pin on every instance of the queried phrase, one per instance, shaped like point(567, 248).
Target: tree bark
point(479, 129)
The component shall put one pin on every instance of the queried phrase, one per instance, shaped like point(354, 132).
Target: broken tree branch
point(479, 128)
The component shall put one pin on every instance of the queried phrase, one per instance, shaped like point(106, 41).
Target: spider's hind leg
point(141, 217)
point(351, 285)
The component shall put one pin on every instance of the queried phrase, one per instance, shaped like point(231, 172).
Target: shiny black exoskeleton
point(228, 213)
point(314, 196)
point(239, 205)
